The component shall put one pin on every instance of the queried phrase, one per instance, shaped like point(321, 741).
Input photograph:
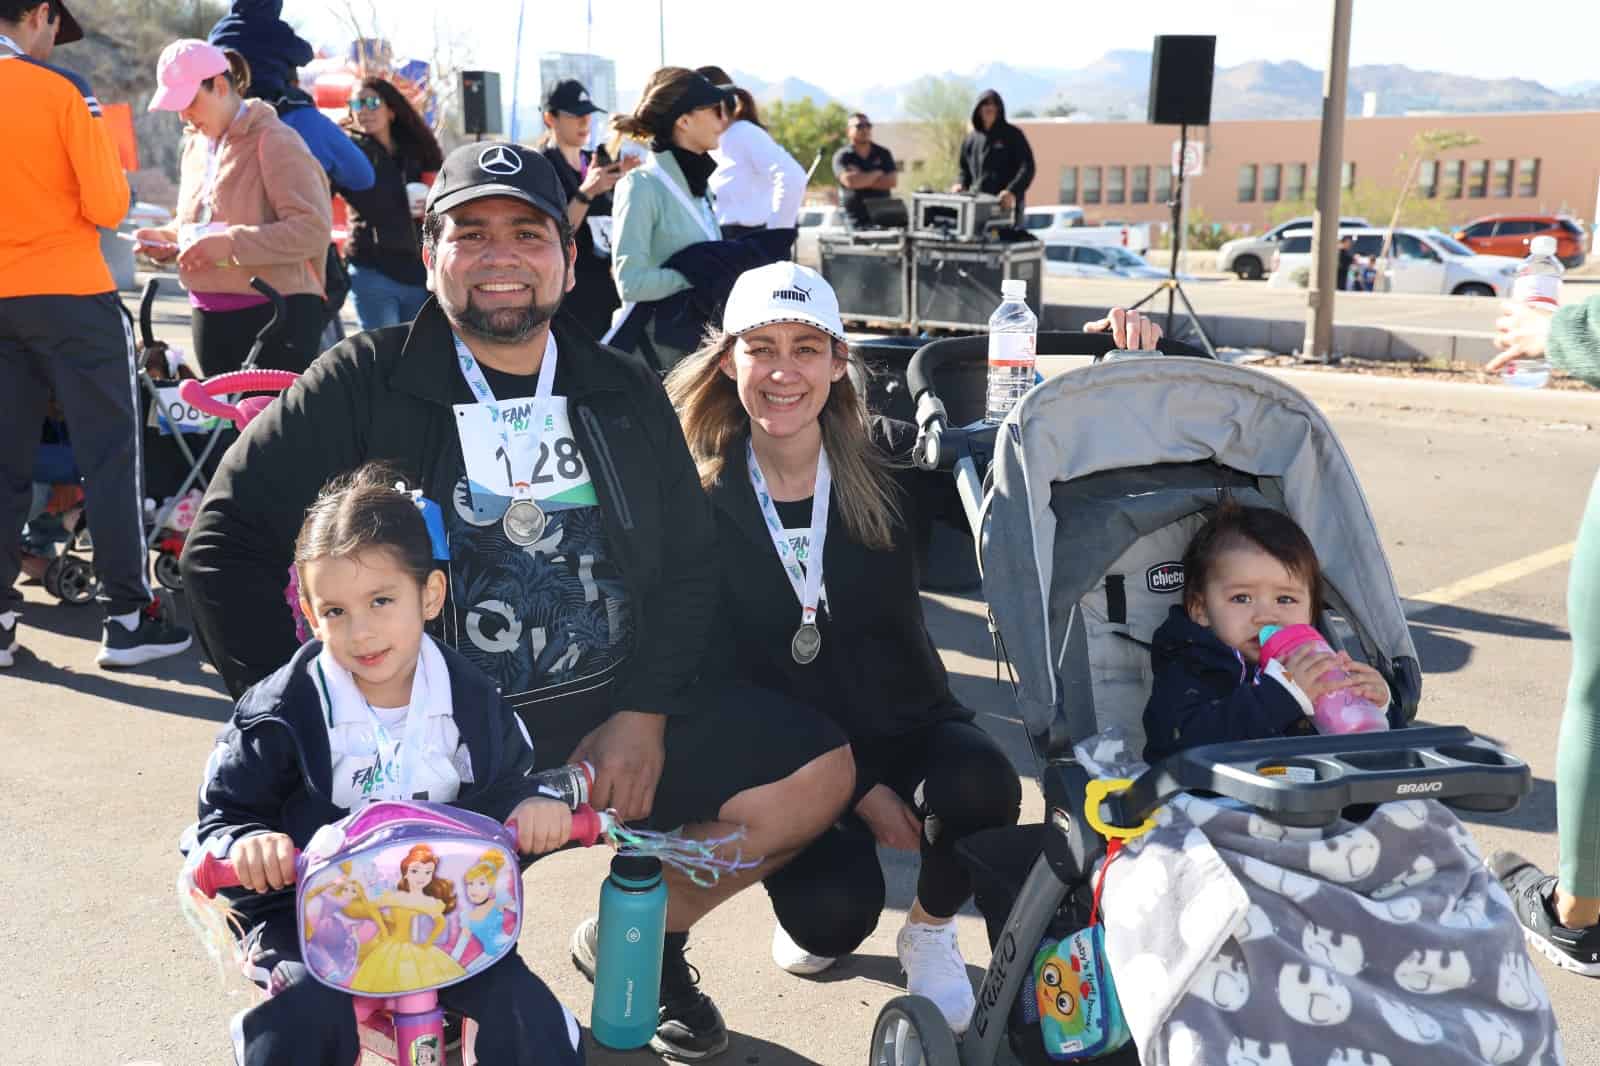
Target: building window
point(1116, 185)
point(1428, 179)
point(1069, 185)
point(1347, 175)
point(1502, 178)
point(1528, 177)
point(1091, 185)
point(1452, 180)
point(1271, 182)
point(1294, 186)
point(1141, 186)
point(1163, 184)
point(1247, 183)
point(1477, 179)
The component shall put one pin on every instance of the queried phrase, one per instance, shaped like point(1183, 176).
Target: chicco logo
point(1164, 577)
point(499, 159)
point(796, 294)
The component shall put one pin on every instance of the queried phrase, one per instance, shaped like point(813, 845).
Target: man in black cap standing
point(583, 573)
point(588, 178)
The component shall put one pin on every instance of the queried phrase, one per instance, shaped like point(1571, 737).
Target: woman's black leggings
point(223, 338)
point(829, 897)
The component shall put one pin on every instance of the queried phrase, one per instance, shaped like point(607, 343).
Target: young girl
point(1248, 567)
point(372, 709)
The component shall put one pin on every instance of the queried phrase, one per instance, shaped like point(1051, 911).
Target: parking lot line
point(1456, 591)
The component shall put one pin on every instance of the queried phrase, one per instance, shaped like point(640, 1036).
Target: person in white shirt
point(757, 185)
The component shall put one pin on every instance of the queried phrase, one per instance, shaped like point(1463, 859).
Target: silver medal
point(807, 643)
point(523, 522)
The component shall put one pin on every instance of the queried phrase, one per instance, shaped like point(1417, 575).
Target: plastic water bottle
point(1342, 711)
point(627, 971)
point(1013, 343)
point(1539, 285)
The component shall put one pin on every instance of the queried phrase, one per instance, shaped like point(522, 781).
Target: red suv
point(1509, 235)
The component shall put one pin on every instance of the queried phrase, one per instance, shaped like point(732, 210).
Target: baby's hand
point(1367, 681)
point(264, 862)
point(542, 825)
point(1309, 668)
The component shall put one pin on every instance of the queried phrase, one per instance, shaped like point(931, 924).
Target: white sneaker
point(934, 968)
point(8, 640)
point(792, 958)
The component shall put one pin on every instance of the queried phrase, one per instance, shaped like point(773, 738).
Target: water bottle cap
point(1268, 632)
point(1014, 289)
point(1545, 245)
point(636, 869)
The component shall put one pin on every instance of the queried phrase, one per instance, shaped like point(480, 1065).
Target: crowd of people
point(714, 598)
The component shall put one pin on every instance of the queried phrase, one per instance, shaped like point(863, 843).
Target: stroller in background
point(1088, 492)
point(55, 525)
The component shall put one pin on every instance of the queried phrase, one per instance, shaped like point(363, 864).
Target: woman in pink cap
point(252, 202)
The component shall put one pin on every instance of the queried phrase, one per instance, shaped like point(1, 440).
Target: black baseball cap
point(67, 28)
point(497, 168)
point(569, 97)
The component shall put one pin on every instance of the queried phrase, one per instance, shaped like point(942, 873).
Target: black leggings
point(829, 898)
point(223, 338)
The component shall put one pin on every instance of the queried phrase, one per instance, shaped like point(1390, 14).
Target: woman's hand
point(156, 244)
point(1129, 330)
point(542, 824)
point(600, 180)
point(1521, 332)
point(892, 821)
point(264, 862)
point(207, 252)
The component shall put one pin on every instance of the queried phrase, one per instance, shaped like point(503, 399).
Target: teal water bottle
point(627, 972)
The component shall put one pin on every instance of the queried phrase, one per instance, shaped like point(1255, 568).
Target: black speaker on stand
point(1181, 69)
point(480, 103)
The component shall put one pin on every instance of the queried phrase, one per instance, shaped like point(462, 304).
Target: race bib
point(600, 231)
point(538, 451)
point(170, 414)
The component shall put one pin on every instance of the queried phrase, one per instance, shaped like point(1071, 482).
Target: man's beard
point(503, 325)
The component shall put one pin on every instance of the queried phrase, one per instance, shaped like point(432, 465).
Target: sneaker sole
point(1550, 951)
point(8, 656)
point(120, 658)
point(806, 969)
point(677, 1054)
point(579, 961)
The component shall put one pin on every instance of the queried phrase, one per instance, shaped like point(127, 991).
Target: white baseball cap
point(782, 292)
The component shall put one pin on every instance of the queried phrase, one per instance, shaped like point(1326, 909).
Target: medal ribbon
point(485, 395)
point(805, 580)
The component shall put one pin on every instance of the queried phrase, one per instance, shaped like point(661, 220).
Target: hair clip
point(432, 517)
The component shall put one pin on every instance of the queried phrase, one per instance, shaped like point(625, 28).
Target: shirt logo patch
point(1164, 577)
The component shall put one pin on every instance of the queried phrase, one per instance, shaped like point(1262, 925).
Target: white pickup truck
point(1053, 222)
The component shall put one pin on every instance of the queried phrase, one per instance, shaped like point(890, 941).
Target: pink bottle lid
point(1278, 641)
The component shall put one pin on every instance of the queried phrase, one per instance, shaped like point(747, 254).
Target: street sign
point(1194, 156)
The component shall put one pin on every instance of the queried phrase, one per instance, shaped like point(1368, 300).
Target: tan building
point(1539, 162)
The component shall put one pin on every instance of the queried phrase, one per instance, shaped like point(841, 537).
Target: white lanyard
point(480, 386)
point(807, 580)
point(393, 781)
point(9, 43)
point(213, 161)
point(702, 214)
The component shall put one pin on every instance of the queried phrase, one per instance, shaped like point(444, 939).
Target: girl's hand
point(264, 862)
point(892, 821)
point(543, 825)
point(1367, 681)
point(1310, 668)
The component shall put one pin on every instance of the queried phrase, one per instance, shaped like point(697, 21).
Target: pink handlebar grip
point(587, 826)
point(214, 873)
point(202, 395)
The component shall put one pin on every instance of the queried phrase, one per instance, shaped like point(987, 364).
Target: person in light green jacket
point(663, 207)
point(1561, 913)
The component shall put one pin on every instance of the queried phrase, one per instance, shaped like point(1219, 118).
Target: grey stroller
point(1081, 503)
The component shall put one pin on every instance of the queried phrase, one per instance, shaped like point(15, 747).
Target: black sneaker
point(155, 638)
point(8, 641)
point(690, 1028)
point(1532, 892)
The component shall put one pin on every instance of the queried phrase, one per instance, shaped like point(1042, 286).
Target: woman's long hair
point(411, 135)
point(648, 122)
point(744, 104)
point(716, 424)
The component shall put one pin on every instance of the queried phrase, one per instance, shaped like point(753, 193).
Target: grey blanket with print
point(1236, 941)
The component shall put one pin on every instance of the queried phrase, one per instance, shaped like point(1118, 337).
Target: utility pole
point(1325, 229)
point(661, 16)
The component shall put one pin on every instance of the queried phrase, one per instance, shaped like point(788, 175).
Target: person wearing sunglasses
point(384, 253)
point(865, 170)
point(252, 203)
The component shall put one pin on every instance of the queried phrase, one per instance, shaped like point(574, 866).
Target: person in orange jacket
point(61, 327)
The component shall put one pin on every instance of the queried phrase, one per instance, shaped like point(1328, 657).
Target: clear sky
point(851, 44)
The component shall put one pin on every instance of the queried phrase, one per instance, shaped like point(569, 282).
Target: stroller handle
point(202, 395)
point(147, 331)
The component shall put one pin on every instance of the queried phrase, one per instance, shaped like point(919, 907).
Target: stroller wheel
point(910, 1031)
point(167, 572)
point(71, 580)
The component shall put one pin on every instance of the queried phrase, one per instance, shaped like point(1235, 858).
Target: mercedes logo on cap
point(500, 160)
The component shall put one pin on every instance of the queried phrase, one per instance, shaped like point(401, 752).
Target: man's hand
point(626, 751)
point(892, 821)
point(264, 861)
point(212, 251)
point(1008, 200)
point(1521, 332)
point(543, 825)
point(1129, 330)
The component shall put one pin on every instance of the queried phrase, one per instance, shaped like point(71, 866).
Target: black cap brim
point(67, 28)
point(584, 107)
point(452, 200)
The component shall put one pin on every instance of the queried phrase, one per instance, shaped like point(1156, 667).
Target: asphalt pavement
point(1476, 491)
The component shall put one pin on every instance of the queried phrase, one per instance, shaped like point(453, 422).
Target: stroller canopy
point(1111, 468)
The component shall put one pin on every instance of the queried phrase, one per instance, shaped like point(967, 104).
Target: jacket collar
point(427, 365)
point(734, 496)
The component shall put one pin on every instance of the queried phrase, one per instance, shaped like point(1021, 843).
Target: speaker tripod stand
point(1170, 284)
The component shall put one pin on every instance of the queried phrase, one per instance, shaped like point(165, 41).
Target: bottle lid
point(1545, 245)
point(636, 869)
point(1014, 289)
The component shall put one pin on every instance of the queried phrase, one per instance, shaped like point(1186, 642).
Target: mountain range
point(1115, 87)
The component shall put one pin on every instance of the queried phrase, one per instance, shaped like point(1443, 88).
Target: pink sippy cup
point(1342, 711)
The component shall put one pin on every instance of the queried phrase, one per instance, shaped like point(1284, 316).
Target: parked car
point(1510, 235)
point(1420, 261)
point(1049, 221)
point(1251, 257)
point(815, 220)
point(1071, 260)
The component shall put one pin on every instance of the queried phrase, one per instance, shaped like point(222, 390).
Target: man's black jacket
point(387, 394)
point(998, 158)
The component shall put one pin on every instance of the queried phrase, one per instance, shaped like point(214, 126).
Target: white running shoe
point(934, 968)
point(792, 958)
